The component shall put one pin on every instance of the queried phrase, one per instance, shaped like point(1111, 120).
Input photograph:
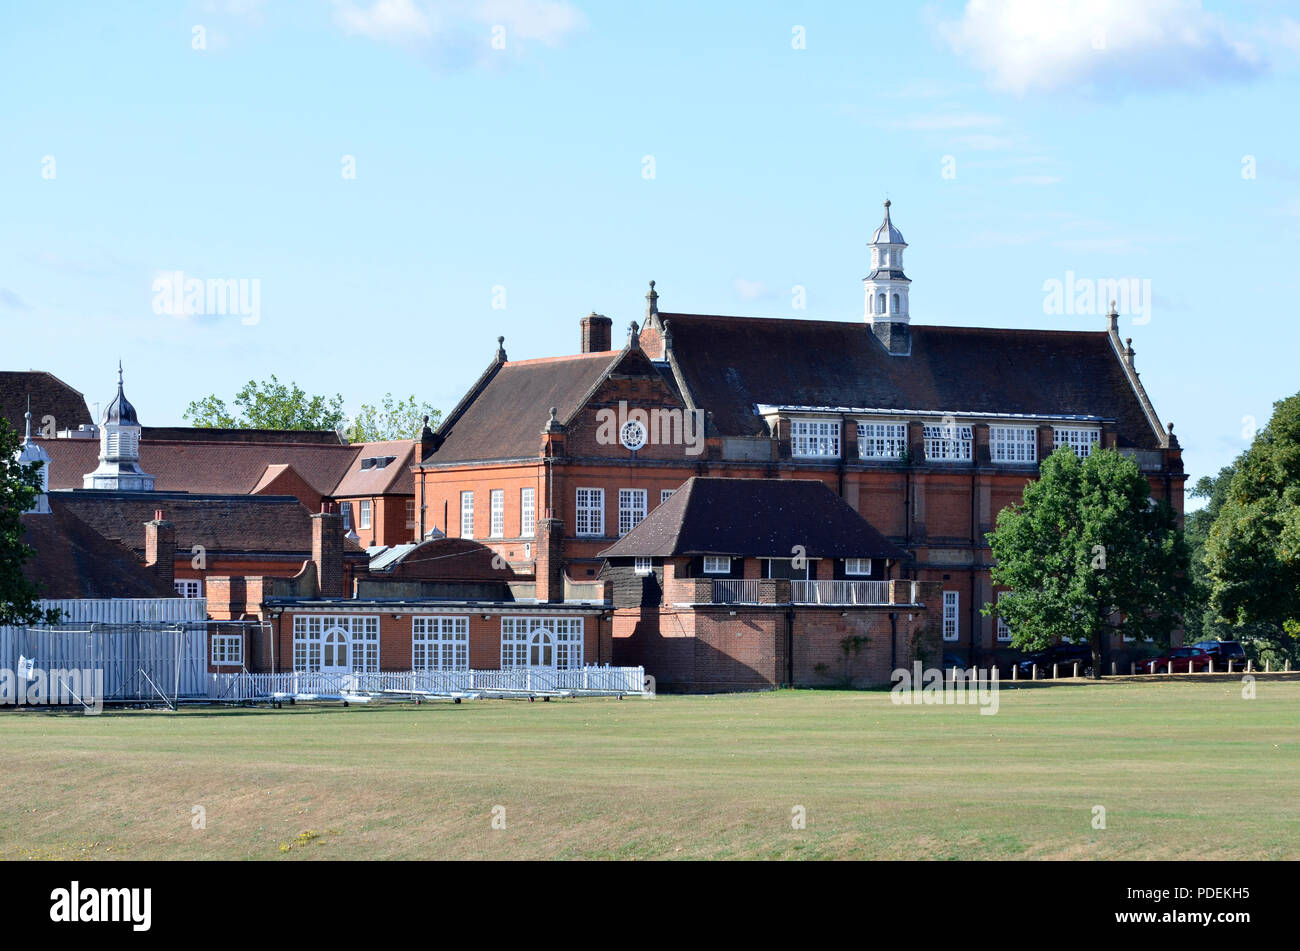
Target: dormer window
point(1081, 441)
point(948, 443)
point(815, 439)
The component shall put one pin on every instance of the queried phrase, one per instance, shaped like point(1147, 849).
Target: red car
point(1183, 660)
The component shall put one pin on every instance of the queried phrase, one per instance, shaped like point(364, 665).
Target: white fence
point(139, 662)
point(839, 592)
point(522, 680)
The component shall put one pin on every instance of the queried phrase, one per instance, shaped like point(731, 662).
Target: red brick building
point(753, 583)
point(926, 431)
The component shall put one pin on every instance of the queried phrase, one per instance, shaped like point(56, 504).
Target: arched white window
point(895, 303)
point(880, 304)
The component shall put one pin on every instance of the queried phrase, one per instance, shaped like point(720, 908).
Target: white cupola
point(119, 449)
point(28, 453)
point(887, 287)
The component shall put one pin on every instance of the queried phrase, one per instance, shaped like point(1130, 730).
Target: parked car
point(1224, 651)
point(1182, 659)
point(951, 660)
point(1063, 654)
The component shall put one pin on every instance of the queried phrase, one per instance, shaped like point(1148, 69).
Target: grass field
point(1184, 770)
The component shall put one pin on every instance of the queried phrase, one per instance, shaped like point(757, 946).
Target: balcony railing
point(839, 592)
point(755, 591)
point(735, 591)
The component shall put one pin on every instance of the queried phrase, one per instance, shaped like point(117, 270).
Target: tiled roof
point(211, 467)
point(505, 420)
point(765, 518)
point(732, 364)
point(394, 478)
point(72, 560)
point(315, 437)
point(270, 524)
point(50, 397)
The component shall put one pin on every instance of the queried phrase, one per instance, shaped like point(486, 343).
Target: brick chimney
point(596, 333)
point(550, 560)
point(327, 551)
point(160, 547)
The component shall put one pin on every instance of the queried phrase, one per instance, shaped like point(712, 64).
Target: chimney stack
point(160, 547)
point(596, 333)
point(549, 571)
point(327, 552)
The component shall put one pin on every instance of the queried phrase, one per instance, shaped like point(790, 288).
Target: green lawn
point(1184, 770)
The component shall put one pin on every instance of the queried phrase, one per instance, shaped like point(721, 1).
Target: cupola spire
point(887, 288)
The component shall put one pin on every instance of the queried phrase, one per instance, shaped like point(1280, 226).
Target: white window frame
point(717, 565)
point(467, 514)
point(440, 642)
point(855, 566)
point(188, 587)
point(631, 509)
point(1082, 439)
point(346, 509)
point(589, 512)
point(949, 443)
point(527, 512)
point(362, 632)
point(882, 440)
point(1004, 629)
point(665, 495)
point(815, 438)
point(497, 513)
point(410, 513)
point(951, 615)
point(643, 566)
point(1013, 445)
point(227, 650)
point(522, 642)
point(363, 517)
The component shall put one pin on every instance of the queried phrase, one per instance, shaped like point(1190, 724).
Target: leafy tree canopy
point(1086, 552)
point(19, 486)
point(1252, 549)
point(392, 419)
point(269, 405)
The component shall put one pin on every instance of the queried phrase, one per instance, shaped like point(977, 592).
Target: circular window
point(632, 435)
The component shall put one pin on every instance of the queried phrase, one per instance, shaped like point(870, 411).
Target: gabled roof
point(755, 518)
point(208, 467)
point(260, 524)
point(379, 468)
point(50, 397)
point(505, 419)
point(733, 364)
point(72, 560)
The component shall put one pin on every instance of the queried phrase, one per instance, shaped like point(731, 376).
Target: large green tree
point(1252, 551)
point(391, 419)
point(1086, 553)
point(269, 404)
point(19, 486)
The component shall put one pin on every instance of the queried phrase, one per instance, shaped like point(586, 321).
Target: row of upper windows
point(497, 513)
point(949, 442)
point(364, 518)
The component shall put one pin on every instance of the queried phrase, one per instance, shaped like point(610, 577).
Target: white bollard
point(1268, 664)
point(1250, 666)
point(1014, 670)
point(1114, 667)
point(1076, 668)
point(1210, 669)
point(1035, 671)
point(1133, 668)
point(1056, 670)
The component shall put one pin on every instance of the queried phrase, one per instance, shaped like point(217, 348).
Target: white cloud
point(1037, 46)
point(425, 22)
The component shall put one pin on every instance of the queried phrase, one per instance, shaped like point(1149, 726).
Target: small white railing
point(588, 680)
point(735, 591)
point(839, 592)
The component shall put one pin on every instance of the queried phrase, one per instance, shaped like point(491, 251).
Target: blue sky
point(1018, 141)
